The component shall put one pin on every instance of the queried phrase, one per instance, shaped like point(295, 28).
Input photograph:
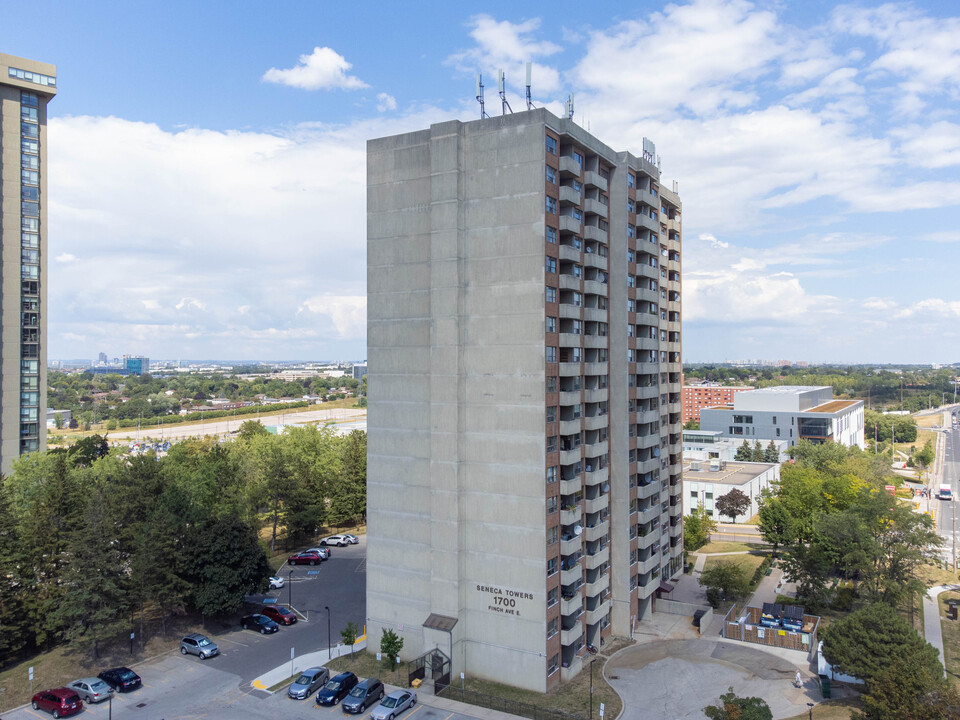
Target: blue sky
point(207, 162)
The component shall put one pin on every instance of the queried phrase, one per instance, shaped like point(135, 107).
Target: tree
point(697, 528)
point(691, 425)
point(58, 421)
point(349, 635)
point(744, 453)
point(771, 454)
point(251, 428)
point(725, 580)
point(756, 455)
point(907, 692)
point(732, 707)
point(732, 504)
point(88, 450)
point(390, 646)
point(776, 524)
point(867, 642)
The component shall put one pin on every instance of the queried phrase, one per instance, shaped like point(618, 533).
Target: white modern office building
point(524, 393)
point(706, 480)
point(789, 413)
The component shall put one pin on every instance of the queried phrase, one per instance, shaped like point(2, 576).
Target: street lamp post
point(329, 651)
point(810, 710)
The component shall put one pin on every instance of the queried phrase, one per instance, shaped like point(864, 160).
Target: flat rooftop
point(791, 389)
point(735, 473)
point(834, 406)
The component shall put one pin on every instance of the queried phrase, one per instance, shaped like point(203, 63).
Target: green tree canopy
point(733, 504)
point(732, 707)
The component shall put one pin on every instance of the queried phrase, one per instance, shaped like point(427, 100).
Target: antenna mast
point(504, 105)
point(569, 105)
point(529, 101)
point(483, 112)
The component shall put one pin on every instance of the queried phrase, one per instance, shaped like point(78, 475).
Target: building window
point(552, 627)
point(551, 175)
point(551, 504)
point(551, 235)
point(553, 664)
point(551, 354)
point(631, 180)
point(551, 566)
point(553, 597)
point(551, 413)
point(552, 534)
point(551, 324)
point(551, 205)
point(551, 383)
point(551, 265)
point(578, 158)
point(552, 475)
point(551, 296)
point(552, 444)
point(551, 145)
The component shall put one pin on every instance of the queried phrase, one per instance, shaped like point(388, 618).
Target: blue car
point(336, 689)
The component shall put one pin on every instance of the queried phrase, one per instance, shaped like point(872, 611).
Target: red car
point(59, 702)
point(280, 614)
point(305, 558)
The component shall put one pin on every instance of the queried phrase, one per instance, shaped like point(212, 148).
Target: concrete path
point(931, 617)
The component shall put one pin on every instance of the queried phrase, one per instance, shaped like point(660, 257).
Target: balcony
point(595, 341)
point(593, 260)
point(647, 343)
point(598, 586)
point(645, 466)
point(596, 449)
point(598, 395)
point(596, 368)
point(597, 559)
point(648, 588)
point(649, 539)
point(568, 252)
point(569, 282)
point(571, 575)
point(570, 311)
point(648, 223)
point(569, 397)
point(648, 368)
point(596, 422)
point(572, 606)
point(595, 287)
point(648, 490)
point(649, 514)
point(570, 517)
point(648, 416)
point(569, 487)
point(645, 442)
point(598, 613)
point(569, 637)
point(596, 504)
point(650, 563)
point(592, 178)
point(594, 315)
point(569, 457)
point(594, 206)
point(570, 339)
point(573, 668)
point(647, 295)
point(597, 531)
point(569, 223)
point(597, 477)
point(569, 369)
point(569, 427)
point(592, 232)
point(569, 195)
point(569, 166)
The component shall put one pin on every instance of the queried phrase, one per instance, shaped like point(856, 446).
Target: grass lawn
point(950, 630)
point(750, 562)
point(724, 546)
point(831, 710)
point(935, 575)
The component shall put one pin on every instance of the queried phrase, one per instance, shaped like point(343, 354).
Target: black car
point(261, 623)
point(336, 689)
point(121, 679)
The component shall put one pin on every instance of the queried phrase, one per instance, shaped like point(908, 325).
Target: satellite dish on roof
point(606, 487)
point(577, 530)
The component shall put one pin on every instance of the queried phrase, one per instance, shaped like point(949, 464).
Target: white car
point(394, 704)
point(338, 540)
point(276, 582)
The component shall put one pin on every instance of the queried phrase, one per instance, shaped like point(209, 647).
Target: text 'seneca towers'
point(524, 421)
point(26, 87)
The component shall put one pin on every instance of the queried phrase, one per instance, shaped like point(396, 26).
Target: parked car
point(276, 582)
point(280, 614)
point(352, 539)
point(323, 552)
point(260, 623)
point(338, 540)
point(121, 679)
point(199, 645)
point(59, 702)
point(363, 695)
point(309, 680)
point(394, 704)
point(92, 690)
point(336, 688)
point(305, 558)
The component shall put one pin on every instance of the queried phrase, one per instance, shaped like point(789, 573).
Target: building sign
point(504, 600)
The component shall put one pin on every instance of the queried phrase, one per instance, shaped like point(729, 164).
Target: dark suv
point(363, 695)
point(336, 688)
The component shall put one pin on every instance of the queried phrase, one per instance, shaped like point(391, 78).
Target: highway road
point(946, 512)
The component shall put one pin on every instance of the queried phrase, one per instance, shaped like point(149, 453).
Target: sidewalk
point(931, 617)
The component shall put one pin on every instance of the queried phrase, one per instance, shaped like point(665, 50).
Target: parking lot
point(182, 688)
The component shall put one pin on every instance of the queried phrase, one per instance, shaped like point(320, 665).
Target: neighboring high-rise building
point(524, 422)
point(136, 364)
point(697, 397)
point(26, 86)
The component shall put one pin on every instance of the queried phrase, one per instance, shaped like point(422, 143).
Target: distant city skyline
point(207, 193)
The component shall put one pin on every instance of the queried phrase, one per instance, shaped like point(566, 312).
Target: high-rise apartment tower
point(26, 87)
point(524, 421)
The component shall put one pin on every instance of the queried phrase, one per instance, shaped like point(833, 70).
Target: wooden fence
point(745, 626)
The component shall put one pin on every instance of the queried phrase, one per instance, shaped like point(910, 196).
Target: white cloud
point(932, 146)
point(65, 258)
point(386, 102)
point(324, 68)
point(713, 241)
point(507, 46)
point(348, 313)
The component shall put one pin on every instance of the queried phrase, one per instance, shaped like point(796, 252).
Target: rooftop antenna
point(483, 112)
point(569, 107)
point(529, 101)
point(504, 105)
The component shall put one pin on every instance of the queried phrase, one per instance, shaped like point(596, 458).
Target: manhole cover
point(140, 705)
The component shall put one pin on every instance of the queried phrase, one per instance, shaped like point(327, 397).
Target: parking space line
point(34, 714)
point(419, 708)
point(235, 642)
point(449, 716)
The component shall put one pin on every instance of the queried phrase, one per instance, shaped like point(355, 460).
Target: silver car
point(199, 645)
point(394, 704)
point(309, 680)
point(91, 690)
